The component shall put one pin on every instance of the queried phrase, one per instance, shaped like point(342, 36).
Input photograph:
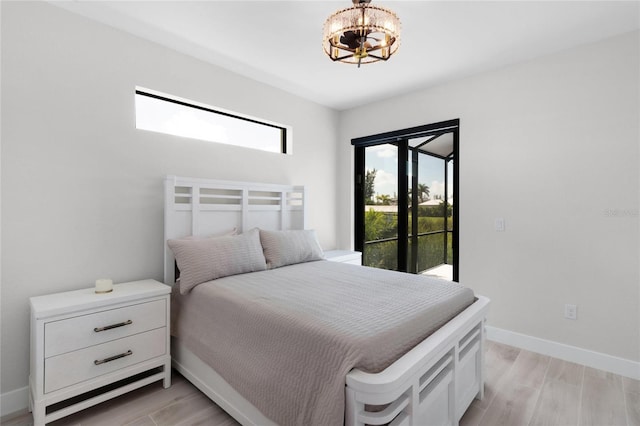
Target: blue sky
point(384, 158)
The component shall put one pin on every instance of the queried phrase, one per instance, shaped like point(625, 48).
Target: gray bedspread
point(286, 338)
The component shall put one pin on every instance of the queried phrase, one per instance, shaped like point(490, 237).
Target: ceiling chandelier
point(361, 34)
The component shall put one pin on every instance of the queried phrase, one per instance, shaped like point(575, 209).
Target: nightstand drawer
point(75, 367)
point(87, 330)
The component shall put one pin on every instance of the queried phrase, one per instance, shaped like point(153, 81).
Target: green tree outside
point(369, 186)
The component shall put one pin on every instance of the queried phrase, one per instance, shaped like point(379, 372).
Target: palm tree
point(423, 193)
point(384, 199)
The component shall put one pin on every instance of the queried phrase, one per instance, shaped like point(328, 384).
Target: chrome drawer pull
point(109, 327)
point(112, 358)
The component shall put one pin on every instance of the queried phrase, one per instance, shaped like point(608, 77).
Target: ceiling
point(441, 145)
point(279, 42)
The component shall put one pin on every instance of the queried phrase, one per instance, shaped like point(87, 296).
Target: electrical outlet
point(499, 224)
point(571, 311)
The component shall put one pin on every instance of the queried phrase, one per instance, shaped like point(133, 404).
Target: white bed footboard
point(433, 384)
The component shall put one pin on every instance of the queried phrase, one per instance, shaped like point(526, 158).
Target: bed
point(412, 379)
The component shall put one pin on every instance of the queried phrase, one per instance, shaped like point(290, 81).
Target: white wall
point(1, 399)
point(552, 147)
point(82, 193)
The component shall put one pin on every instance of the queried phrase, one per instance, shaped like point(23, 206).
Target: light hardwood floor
point(525, 388)
point(522, 388)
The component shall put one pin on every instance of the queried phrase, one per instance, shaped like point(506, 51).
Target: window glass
point(179, 118)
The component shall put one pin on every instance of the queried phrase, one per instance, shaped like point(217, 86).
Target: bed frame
point(432, 384)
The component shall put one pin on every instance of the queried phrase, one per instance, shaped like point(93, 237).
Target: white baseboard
point(613, 364)
point(14, 401)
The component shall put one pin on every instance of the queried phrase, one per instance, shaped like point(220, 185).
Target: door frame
point(400, 138)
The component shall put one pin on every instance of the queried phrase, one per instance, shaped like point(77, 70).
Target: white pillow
point(202, 260)
point(283, 248)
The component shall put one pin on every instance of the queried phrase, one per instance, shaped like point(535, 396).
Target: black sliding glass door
point(381, 213)
point(431, 212)
point(405, 187)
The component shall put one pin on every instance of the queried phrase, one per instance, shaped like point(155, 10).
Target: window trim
point(286, 134)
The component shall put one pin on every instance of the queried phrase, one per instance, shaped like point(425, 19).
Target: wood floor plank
point(131, 406)
point(529, 369)
point(514, 404)
point(565, 371)
point(213, 416)
point(631, 385)
point(558, 404)
point(499, 359)
point(142, 421)
point(21, 420)
point(472, 417)
point(182, 410)
point(503, 352)
point(632, 400)
point(603, 400)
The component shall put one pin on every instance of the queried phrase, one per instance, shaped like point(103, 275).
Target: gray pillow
point(283, 248)
point(202, 260)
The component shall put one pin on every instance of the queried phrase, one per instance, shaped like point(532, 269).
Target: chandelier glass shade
point(361, 34)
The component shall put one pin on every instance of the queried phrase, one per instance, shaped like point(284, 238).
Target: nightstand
point(344, 256)
point(87, 348)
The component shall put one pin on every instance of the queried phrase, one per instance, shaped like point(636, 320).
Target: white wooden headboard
point(204, 207)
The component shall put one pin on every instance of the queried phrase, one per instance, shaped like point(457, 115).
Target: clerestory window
point(180, 117)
